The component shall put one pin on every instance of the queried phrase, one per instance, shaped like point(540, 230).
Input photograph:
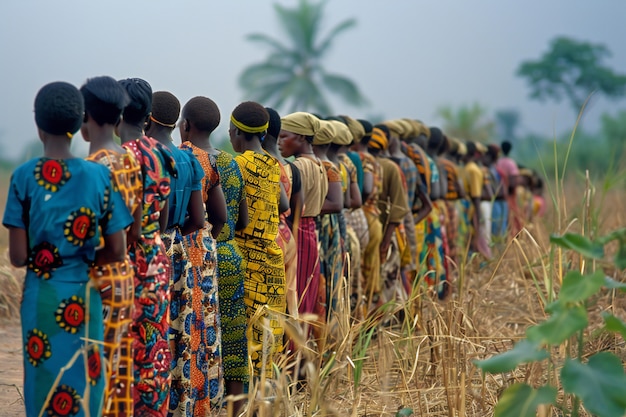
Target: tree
point(574, 70)
point(614, 130)
point(292, 76)
point(507, 122)
point(467, 122)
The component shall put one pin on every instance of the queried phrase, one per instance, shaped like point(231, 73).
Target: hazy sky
point(409, 57)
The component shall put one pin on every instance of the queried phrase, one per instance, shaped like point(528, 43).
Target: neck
point(161, 134)
point(57, 147)
point(102, 137)
point(129, 132)
point(269, 144)
point(200, 139)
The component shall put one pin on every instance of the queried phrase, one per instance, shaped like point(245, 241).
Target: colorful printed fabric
point(151, 352)
point(308, 265)
point(115, 283)
point(287, 243)
point(264, 287)
point(231, 267)
point(126, 174)
point(371, 165)
point(61, 310)
point(195, 330)
point(432, 255)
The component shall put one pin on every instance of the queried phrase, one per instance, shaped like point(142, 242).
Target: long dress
point(151, 353)
point(231, 267)
point(115, 282)
point(264, 287)
point(206, 381)
point(61, 203)
point(187, 325)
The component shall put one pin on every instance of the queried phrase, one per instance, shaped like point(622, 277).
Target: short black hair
point(165, 107)
point(140, 100)
point(275, 124)
point(471, 148)
point(202, 113)
point(435, 141)
point(251, 114)
point(59, 108)
point(105, 99)
point(506, 147)
point(367, 126)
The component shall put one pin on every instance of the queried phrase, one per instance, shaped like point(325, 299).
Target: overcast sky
point(409, 57)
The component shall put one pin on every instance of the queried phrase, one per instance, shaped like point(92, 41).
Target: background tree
point(467, 122)
point(614, 130)
point(293, 77)
point(573, 70)
point(506, 123)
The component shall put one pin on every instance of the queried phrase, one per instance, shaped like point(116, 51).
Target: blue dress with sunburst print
point(60, 203)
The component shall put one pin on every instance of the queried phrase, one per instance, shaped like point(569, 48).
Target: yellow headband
point(246, 128)
point(173, 125)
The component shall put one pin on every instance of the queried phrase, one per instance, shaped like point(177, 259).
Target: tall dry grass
point(422, 357)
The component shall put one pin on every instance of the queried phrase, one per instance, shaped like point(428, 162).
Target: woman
point(186, 215)
point(151, 353)
point(55, 223)
point(264, 289)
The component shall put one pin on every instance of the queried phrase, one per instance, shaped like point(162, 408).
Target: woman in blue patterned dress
point(57, 206)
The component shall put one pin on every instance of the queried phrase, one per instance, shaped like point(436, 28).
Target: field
point(422, 358)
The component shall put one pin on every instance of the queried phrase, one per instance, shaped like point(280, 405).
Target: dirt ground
point(11, 397)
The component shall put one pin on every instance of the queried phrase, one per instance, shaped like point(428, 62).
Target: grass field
point(423, 361)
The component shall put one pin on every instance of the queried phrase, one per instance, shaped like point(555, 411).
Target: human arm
point(164, 214)
point(195, 209)
point(134, 233)
point(18, 246)
point(216, 209)
point(114, 249)
point(334, 198)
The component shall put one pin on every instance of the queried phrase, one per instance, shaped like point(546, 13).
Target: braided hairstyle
point(140, 100)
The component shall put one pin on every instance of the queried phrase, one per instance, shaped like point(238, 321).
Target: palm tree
point(467, 122)
point(292, 77)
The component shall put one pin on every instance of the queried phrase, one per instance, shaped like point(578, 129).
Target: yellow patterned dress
point(116, 284)
point(264, 286)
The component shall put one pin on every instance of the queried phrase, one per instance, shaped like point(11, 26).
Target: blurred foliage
point(507, 121)
point(468, 122)
point(293, 78)
point(573, 70)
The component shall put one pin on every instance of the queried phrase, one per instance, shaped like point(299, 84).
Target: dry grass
point(425, 360)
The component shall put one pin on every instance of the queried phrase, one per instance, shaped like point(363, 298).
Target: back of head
point(105, 99)
point(274, 123)
point(471, 148)
point(506, 147)
point(140, 100)
point(202, 113)
point(165, 109)
point(385, 129)
point(435, 141)
point(59, 109)
point(367, 129)
point(250, 118)
point(356, 129)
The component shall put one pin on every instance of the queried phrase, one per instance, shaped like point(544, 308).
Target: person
point(453, 193)
point(200, 116)
point(58, 208)
point(186, 214)
point(508, 169)
point(104, 101)
point(328, 229)
point(295, 139)
point(500, 208)
point(473, 181)
point(151, 353)
point(264, 286)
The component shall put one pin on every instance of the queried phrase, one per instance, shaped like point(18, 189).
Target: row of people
point(156, 273)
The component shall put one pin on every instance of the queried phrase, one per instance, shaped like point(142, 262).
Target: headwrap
point(301, 123)
point(453, 145)
point(325, 134)
point(462, 148)
point(493, 149)
point(343, 136)
point(395, 128)
point(408, 129)
point(378, 140)
point(480, 147)
point(356, 128)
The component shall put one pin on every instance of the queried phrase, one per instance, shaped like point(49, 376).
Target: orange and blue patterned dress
point(64, 205)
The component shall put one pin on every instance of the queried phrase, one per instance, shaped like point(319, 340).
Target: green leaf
point(521, 400)
point(404, 412)
point(561, 325)
point(523, 352)
point(600, 384)
point(613, 324)
point(580, 244)
point(620, 256)
point(610, 283)
point(578, 287)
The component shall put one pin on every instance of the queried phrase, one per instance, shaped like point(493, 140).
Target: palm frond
point(344, 88)
point(332, 35)
point(263, 73)
point(272, 43)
